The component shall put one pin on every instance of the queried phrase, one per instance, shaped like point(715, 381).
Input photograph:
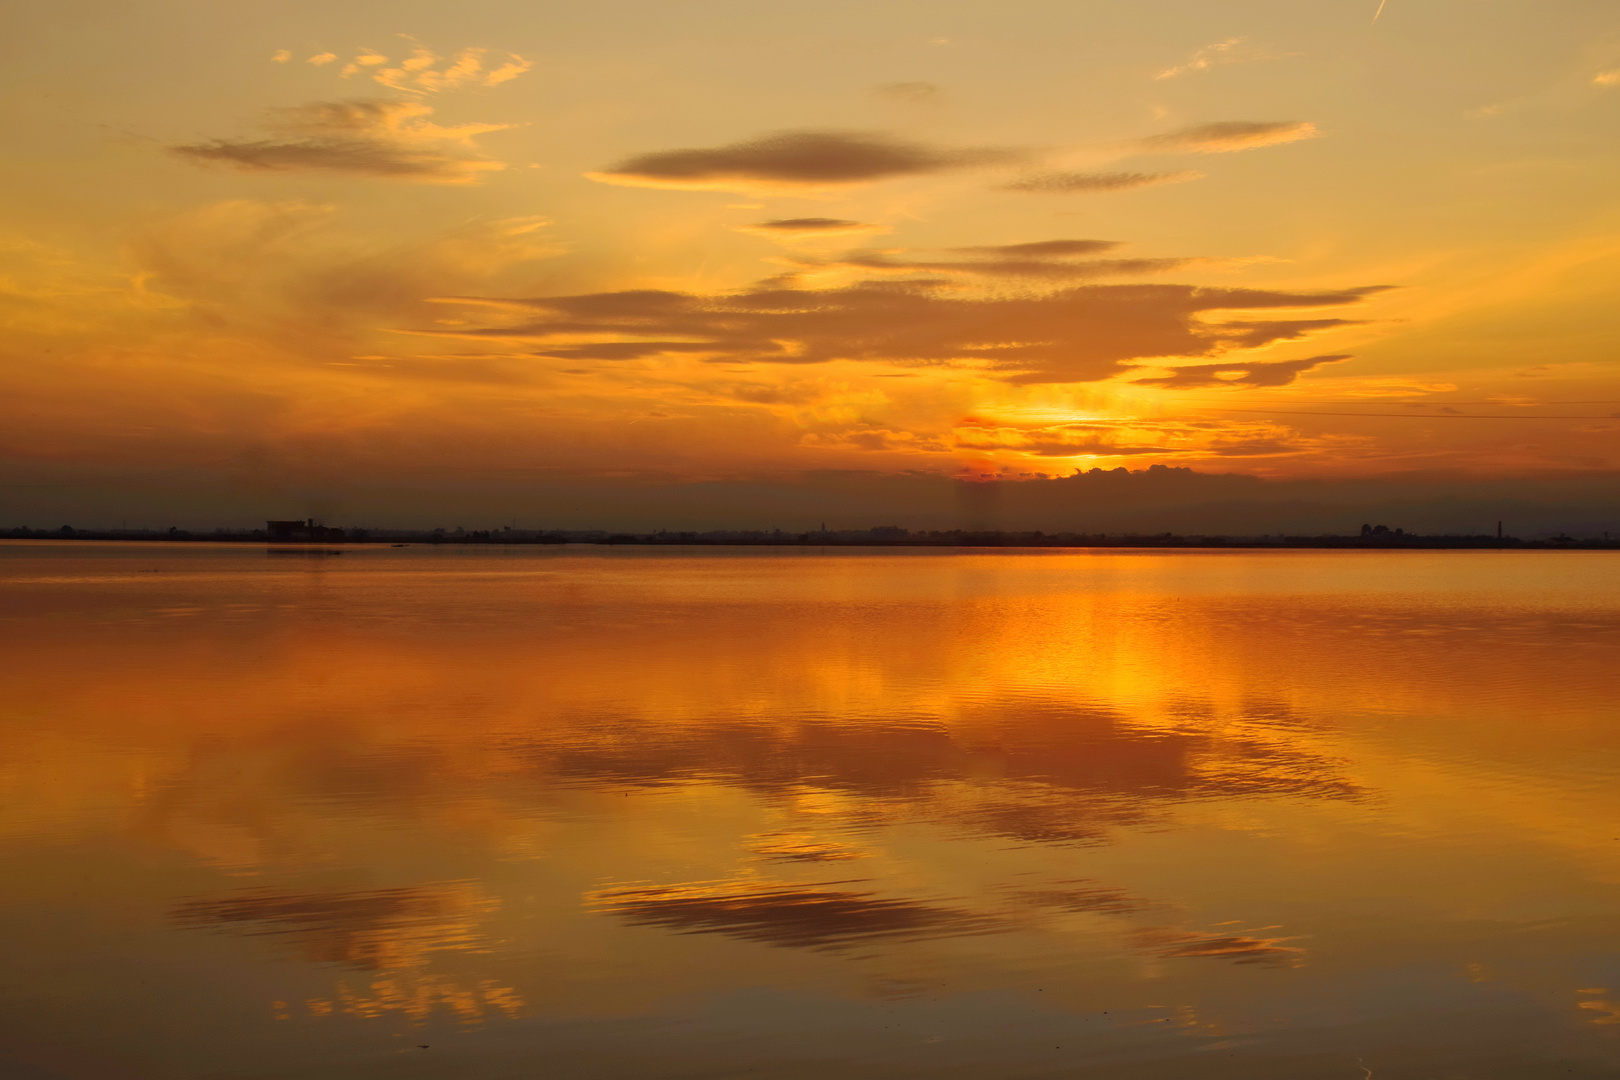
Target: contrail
point(1380, 10)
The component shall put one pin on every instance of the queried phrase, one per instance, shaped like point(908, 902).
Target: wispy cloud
point(794, 159)
point(1172, 943)
point(423, 71)
point(1229, 135)
point(817, 916)
point(366, 58)
point(811, 227)
point(1075, 183)
point(1052, 260)
point(799, 160)
point(1074, 334)
point(910, 93)
point(1230, 51)
point(1241, 373)
point(386, 139)
point(1127, 437)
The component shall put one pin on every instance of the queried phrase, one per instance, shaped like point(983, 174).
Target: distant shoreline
point(358, 538)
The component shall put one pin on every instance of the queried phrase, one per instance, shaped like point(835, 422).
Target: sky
point(366, 260)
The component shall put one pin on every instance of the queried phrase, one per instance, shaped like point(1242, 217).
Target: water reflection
point(822, 916)
point(372, 930)
point(1140, 808)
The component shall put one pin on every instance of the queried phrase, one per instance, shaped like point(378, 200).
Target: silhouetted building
point(300, 530)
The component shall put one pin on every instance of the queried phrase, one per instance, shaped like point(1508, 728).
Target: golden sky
point(311, 244)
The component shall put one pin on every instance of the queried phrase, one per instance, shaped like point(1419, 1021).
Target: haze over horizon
point(723, 266)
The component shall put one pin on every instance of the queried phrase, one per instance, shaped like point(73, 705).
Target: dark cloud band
point(794, 158)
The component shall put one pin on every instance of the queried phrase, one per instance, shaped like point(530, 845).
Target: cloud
point(1075, 334)
point(366, 59)
point(367, 137)
point(424, 71)
point(1170, 943)
point(1068, 183)
point(1043, 248)
point(371, 930)
point(792, 228)
point(1240, 373)
point(1132, 437)
point(1607, 78)
point(793, 159)
point(280, 56)
point(288, 273)
point(1054, 260)
point(1229, 51)
point(796, 916)
point(1008, 262)
point(322, 59)
point(1229, 135)
point(911, 93)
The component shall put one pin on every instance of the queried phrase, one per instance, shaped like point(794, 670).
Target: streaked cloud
point(910, 93)
point(289, 273)
point(794, 159)
point(1181, 439)
point(1242, 373)
point(1055, 260)
point(1072, 183)
point(1229, 135)
point(1075, 334)
point(371, 930)
point(1171, 943)
point(793, 228)
point(1230, 51)
point(367, 137)
point(816, 916)
point(1043, 249)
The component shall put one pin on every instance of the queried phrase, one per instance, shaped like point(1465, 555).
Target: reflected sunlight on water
point(708, 813)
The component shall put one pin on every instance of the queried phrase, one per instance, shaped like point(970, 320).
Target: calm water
point(587, 813)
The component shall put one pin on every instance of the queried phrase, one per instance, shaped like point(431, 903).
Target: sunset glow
point(340, 252)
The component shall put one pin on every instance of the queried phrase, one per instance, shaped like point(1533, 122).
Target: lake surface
point(600, 813)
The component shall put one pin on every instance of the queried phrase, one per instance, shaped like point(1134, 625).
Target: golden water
point(593, 813)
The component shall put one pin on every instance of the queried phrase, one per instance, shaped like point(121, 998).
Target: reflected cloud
point(1169, 943)
point(1607, 1011)
point(416, 997)
point(795, 916)
point(803, 847)
point(1084, 896)
point(372, 930)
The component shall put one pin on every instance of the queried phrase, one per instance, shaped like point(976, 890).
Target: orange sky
point(306, 246)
